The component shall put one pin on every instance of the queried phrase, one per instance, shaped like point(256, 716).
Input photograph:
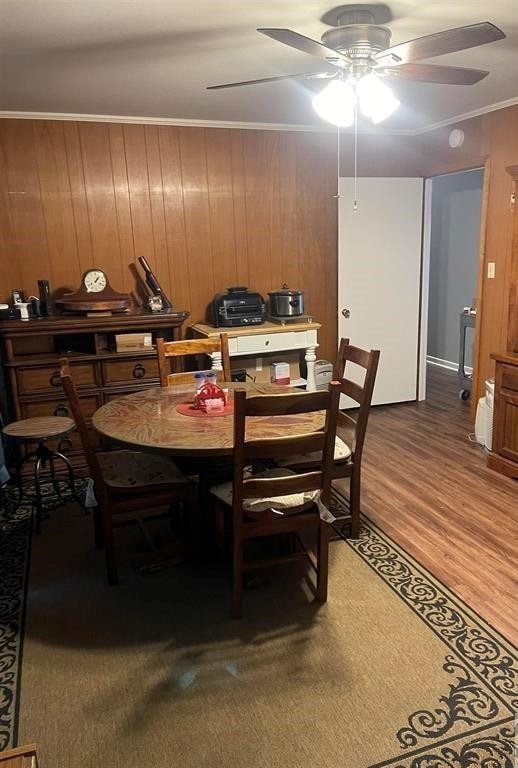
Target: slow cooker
point(286, 303)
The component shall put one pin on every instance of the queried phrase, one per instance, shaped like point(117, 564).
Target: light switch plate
point(491, 269)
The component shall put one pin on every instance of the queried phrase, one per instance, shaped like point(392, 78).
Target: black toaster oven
point(238, 306)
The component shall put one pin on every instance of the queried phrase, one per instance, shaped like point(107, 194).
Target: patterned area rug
point(14, 560)
point(393, 671)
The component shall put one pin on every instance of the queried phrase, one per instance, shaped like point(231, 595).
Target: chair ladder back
point(348, 352)
point(362, 394)
point(177, 350)
point(328, 453)
point(261, 487)
point(286, 404)
point(368, 388)
point(277, 447)
point(75, 406)
point(321, 440)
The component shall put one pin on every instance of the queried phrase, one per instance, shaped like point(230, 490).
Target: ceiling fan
point(359, 59)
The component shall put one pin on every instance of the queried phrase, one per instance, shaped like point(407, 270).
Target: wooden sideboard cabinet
point(19, 757)
point(31, 350)
point(504, 455)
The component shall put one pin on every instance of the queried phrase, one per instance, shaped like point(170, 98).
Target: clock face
point(95, 281)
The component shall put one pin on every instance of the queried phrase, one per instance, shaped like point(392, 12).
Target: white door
point(379, 275)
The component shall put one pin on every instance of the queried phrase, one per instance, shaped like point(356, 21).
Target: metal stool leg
point(53, 479)
point(37, 504)
point(18, 475)
point(71, 477)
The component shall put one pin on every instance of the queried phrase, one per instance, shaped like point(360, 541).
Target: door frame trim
point(484, 166)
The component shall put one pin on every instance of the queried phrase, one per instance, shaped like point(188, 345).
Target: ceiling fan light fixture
point(335, 103)
point(376, 99)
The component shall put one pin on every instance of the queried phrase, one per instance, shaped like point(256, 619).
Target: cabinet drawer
point(268, 342)
point(509, 378)
point(46, 379)
point(130, 371)
point(59, 407)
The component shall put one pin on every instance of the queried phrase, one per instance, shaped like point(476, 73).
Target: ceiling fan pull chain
point(355, 204)
point(338, 195)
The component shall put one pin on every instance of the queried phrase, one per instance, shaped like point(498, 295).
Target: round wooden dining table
point(150, 421)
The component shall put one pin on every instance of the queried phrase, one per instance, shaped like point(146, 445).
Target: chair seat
point(130, 470)
point(308, 460)
point(39, 428)
point(280, 505)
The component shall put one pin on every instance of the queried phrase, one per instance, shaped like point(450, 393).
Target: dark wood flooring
point(427, 486)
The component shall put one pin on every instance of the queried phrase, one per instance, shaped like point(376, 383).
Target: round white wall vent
point(456, 138)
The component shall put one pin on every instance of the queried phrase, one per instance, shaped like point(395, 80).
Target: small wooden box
point(133, 342)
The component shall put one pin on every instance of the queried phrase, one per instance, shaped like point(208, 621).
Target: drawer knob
point(139, 371)
point(61, 410)
point(55, 379)
point(266, 342)
point(64, 445)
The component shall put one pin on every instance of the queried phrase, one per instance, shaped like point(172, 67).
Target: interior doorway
point(451, 255)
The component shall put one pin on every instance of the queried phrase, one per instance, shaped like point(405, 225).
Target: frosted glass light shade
point(376, 100)
point(335, 103)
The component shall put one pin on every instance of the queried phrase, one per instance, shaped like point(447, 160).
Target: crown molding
point(180, 122)
point(191, 123)
point(467, 115)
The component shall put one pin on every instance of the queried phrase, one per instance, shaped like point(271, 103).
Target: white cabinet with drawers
point(269, 338)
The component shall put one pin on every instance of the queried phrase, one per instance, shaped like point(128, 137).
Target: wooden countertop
point(80, 323)
point(204, 329)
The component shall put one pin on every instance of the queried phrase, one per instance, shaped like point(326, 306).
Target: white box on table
point(280, 373)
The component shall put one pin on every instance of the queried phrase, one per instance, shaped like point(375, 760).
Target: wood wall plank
point(221, 208)
point(207, 207)
point(170, 162)
point(239, 198)
point(74, 160)
point(56, 203)
point(10, 272)
point(122, 205)
point(100, 196)
point(197, 220)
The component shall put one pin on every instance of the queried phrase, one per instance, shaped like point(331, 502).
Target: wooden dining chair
point(128, 485)
point(351, 429)
point(279, 501)
point(216, 348)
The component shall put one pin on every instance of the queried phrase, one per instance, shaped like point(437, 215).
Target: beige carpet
point(393, 670)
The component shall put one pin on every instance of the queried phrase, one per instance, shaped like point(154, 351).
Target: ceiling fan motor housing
point(358, 40)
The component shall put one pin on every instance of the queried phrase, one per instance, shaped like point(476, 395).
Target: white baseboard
point(451, 366)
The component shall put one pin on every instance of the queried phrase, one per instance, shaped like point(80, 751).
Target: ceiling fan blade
point(432, 73)
point(441, 42)
point(315, 75)
point(306, 45)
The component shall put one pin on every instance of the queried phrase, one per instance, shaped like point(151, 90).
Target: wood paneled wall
point(209, 208)
point(490, 140)
point(215, 207)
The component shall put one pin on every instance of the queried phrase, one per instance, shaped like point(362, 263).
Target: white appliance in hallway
point(379, 278)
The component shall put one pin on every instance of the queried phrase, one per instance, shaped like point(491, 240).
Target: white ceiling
point(153, 58)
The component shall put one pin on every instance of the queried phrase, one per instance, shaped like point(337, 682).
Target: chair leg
point(237, 576)
point(322, 561)
point(38, 501)
point(189, 512)
point(109, 547)
point(354, 503)
point(98, 533)
point(219, 524)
